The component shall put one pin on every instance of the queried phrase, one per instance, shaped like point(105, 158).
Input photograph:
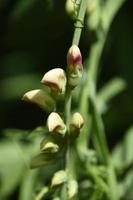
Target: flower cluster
point(58, 82)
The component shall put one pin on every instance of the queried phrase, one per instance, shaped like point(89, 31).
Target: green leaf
point(15, 156)
point(27, 186)
point(126, 187)
point(12, 168)
point(110, 9)
point(122, 157)
point(123, 153)
point(109, 91)
point(43, 159)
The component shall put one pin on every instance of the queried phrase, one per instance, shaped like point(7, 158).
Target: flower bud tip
point(55, 79)
point(77, 121)
point(74, 56)
point(55, 123)
point(41, 98)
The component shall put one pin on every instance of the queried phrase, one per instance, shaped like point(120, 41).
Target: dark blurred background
point(35, 36)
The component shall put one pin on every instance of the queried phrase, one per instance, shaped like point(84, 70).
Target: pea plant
point(70, 156)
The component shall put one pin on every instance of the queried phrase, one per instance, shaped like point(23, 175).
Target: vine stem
point(92, 70)
point(67, 109)
point(89, 91)
point(79, 22)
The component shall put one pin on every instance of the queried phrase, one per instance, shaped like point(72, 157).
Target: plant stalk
point(67, 110)
point(79, 22)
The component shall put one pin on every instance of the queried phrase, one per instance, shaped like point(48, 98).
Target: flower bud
point(91, 7)
point(55, 123)
point(59, 178)
point(76, 123)
point(69, 7)
point(49, 146)
point(57, 198)
point(74, 56)
point(41, 98)
point(77, 120)
point(75, 67)
point(94, 12)
point(72, 188)
point(55, 79)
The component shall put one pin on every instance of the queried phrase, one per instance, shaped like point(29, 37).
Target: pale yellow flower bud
point(59, 178)
point(76, 124)
point(72, 188)
point(92, 4)
point(48, 145)
point(55, 123)
point(55, 79)
point(77, 120)
point(94, 12)
point(69, 7)
point(41, 98)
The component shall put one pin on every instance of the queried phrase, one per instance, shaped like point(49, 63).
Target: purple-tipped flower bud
point(74, 56)
point(56, 124)
point(76, 123)
point(75, 67)
point(55, 79)
point(41, 98)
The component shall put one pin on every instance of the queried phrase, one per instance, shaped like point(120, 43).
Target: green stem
point(100, 133)
point(89, 89)
point(94, 173)
point(67, 109)
point(112, 181)
point(79, 22)
point(93, 64)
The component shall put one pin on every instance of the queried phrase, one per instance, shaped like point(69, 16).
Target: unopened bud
point(74, 56)
point(75, 67)
point(41, 98)
point(94, 12)
point(56, 124)
point(72, 188)
point(59, 178)
point(76, 123)
point(69, 7)
point(57, 198)
point(49, 146)
point(55, 79)
point(92, 4)
point(77, 120)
